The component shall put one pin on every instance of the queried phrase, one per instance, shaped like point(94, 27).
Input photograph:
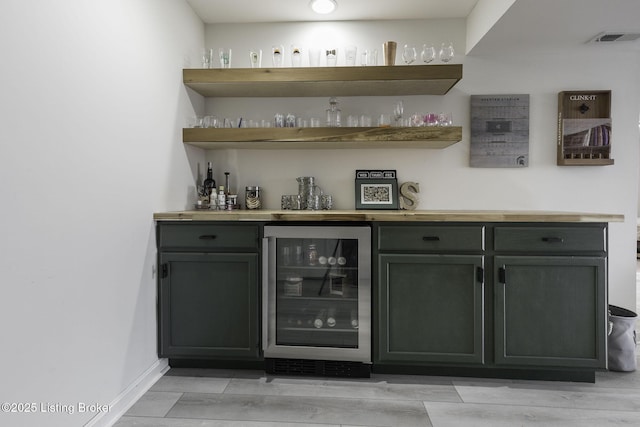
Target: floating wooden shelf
point(320, 138)
point(324, 81)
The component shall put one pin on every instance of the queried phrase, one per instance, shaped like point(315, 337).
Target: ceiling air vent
point(609, 37)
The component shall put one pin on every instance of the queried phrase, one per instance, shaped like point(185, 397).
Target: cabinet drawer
point(431, 237)
point(550, 239)
point(207, 236)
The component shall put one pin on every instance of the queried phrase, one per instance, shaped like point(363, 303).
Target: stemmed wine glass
point(398, 111)
point(428, 53)
point(446, 52)
point(409, 54)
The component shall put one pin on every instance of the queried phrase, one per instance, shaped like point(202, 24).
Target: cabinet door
point(208, 305)
point(430, 308)
point(550, 311)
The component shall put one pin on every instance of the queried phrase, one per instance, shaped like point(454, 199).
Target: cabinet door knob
point(207, 237)
point(431, 238)
point(553, 239)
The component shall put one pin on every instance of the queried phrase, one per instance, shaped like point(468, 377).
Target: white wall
point(446, 180)
point(92, 108)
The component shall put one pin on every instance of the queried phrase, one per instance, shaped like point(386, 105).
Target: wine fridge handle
point(265, 293)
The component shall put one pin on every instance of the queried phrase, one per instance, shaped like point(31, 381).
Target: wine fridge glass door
point(317, 293)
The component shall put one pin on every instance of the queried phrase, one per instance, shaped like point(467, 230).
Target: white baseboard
point(130, 395)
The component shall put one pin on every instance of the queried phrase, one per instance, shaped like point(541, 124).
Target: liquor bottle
point(222, 198)
point(213, 199)
point(333, 114)
point(209, 183)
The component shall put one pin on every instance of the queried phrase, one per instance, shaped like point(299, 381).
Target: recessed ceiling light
point(323, 6)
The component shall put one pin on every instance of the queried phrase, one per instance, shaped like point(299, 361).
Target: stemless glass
point(255, 58)
point(332, 57)
point(417, 119)
point(225, 57)
point(205, 57)
point(373, 57)
point(296, 55)
point(445, 119)
point(431, 119)
point(446, 52)
point(409, 54)
point(277, 55)
point(363, 58)
point(350, 53)
point(314, 56)
point(428, 53)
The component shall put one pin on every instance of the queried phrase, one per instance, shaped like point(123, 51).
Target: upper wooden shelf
point(324, 81)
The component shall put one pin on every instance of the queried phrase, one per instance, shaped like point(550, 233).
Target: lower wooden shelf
point(324, 137)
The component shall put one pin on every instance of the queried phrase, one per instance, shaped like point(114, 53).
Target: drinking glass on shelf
point(296, 56)
point(196, 122)
point(446, 52)
point(255, 58)
point(417, 120)
point(428, 53)
point(398, 111)
point(384, 120)
point(277, 55)
point(352, 121)
point(205, 57)
point(332, 57)
point(445, 119)
point(409, 54)
point(278, 120)
point(364, 58)
point(225, 57)
point(210, 121)
point(431, 119)
point(314, 57)
point(350, 54)
point(373, 57)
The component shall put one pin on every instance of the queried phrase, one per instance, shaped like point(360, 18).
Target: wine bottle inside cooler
point(331, 317)
point(354, 319)
point(320, 319)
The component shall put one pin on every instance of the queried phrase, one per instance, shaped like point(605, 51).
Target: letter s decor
point(408, 198)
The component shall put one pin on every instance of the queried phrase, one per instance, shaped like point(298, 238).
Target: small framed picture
point(377, 192)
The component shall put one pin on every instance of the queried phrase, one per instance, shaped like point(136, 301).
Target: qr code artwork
point(376, 193)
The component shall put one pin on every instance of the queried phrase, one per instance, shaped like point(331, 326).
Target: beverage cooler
point(316, 311)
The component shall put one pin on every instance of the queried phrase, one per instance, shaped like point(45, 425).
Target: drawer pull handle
point(431, 238)
point(553, 239)
point(207, 237)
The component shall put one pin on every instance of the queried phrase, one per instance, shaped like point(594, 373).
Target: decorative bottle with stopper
point(333, 113)
point(209, 183)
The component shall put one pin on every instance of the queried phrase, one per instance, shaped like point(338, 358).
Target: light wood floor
point(227, 398)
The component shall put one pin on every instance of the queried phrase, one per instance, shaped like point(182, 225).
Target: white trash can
point(622, 339)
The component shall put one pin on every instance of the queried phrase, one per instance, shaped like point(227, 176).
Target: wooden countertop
point(388, 215)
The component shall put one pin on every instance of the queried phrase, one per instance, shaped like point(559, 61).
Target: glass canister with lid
point(253, 197)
